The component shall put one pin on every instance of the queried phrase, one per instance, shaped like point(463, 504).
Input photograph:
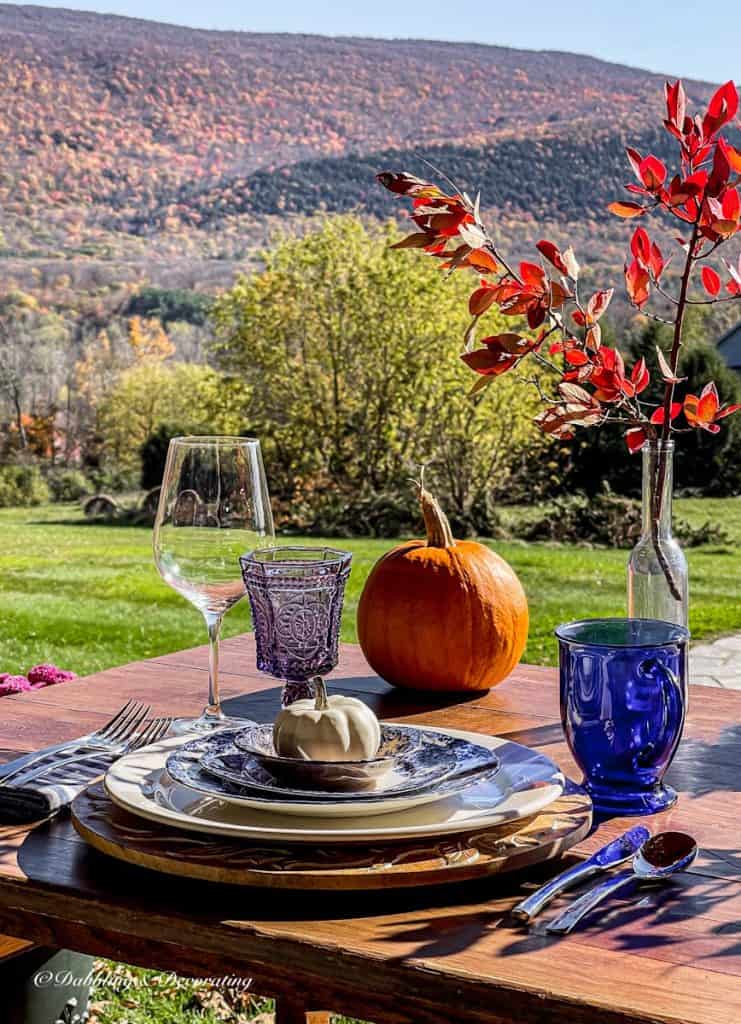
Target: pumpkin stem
point(439, 534)
point(320, 692)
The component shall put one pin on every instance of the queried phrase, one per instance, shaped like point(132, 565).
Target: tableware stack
point(422, 782)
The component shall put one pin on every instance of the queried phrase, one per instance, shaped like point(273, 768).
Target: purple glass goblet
point(296, 596)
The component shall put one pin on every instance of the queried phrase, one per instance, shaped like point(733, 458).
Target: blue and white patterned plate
point(435, 767)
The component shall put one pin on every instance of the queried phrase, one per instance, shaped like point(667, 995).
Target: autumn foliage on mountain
point(124, 139)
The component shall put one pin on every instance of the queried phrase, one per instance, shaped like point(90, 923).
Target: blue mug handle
point(674, 703)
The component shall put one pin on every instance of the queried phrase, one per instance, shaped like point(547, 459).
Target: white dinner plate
point(525, 783)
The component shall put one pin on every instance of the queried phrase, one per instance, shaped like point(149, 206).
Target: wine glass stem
point(213, 709)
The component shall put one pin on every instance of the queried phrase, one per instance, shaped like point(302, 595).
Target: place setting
point(327, 796)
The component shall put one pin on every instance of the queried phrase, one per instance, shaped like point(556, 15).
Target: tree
point(331, 345)
point(33, 353)
point(150, 394)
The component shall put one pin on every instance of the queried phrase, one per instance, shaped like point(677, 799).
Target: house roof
point(730, 347)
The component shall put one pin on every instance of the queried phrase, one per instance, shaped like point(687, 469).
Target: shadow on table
point(385, 700)
point(700, 767)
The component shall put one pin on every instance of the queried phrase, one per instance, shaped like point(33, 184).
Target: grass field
point(88, 597)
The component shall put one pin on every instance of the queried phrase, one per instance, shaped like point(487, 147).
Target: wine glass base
point(207, 723)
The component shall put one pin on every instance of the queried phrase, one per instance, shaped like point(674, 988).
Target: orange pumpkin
point(442, 614)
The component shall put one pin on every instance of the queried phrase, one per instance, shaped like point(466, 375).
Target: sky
point(691, 38)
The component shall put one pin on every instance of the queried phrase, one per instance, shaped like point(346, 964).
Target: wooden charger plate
point(378, 865)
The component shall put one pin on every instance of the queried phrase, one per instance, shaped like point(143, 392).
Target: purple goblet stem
point(297, 689)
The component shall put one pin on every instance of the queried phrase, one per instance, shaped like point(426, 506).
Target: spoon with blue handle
point(616, 852)
point(661, 856)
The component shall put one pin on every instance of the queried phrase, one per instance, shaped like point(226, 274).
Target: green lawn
point(88, 597)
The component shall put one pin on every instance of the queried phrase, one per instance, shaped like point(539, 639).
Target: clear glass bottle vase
point(657, 568)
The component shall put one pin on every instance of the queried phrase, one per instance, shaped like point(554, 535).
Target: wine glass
point(214, 505)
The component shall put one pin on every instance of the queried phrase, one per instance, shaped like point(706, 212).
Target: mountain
point(133, 151)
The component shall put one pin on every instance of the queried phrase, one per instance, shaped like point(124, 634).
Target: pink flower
point(13, 684)
point(48, 675)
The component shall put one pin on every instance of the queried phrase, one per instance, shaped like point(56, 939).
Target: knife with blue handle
point(615, 852)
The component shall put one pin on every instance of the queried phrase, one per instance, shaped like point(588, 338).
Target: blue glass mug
point(623, 705)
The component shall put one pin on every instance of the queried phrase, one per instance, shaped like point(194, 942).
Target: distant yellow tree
point(192, 398)
point(149, 341)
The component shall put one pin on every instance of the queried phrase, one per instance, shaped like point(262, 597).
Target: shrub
point(154, 454)
point(607, 520)
point(68, 484)
point(22, 486)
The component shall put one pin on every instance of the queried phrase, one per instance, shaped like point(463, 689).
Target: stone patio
point(717, 664)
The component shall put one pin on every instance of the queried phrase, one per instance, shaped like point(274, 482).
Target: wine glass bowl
point(213, 503)
point(296, 596)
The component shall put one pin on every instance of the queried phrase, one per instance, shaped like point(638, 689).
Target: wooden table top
point(444, 954)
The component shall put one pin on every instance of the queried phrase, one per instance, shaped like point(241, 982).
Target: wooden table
point(440, 955)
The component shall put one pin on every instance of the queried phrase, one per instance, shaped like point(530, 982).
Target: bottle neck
point(654, 477)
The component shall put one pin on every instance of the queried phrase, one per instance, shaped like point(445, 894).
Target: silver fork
point(150, 733)
point(109, 737)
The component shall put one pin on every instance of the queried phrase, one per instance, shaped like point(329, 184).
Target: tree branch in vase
point(590, 384)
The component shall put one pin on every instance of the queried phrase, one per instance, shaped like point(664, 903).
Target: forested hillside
point(165, 154)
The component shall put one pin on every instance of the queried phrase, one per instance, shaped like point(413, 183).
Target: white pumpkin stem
point(439, 534)
point(320, 692)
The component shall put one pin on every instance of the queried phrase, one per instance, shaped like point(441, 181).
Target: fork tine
point(122, 725)
point(151, 732)
point(104, 730)
point(141, 712)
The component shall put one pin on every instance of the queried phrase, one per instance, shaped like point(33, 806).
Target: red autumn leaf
point(482, 299)
point(710, 281)
point(593, 338)
point(732, 155)
point(419, 240)
point(676, 103)
point(734, 285)
point(509, 342)
point(640, 377)
point(657, 416)
point(533, 275)
point(728, 410)
point(722, 108)
point(558, 295)
point(553, 254)
point(576, 357)
point(488, 361)
point(635, 159)
point(626, 210)
point(406, 184)
point(535, 316)
point(635, 438)
point(731, 204)
point(656, 263)
point(703, 412)
point(598, 303)
point(652, 173)
point(636, 283)
point(483, 260)
point(640, 246)
point(578, 317)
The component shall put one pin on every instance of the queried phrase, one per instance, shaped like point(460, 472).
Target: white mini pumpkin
point(332, 728)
